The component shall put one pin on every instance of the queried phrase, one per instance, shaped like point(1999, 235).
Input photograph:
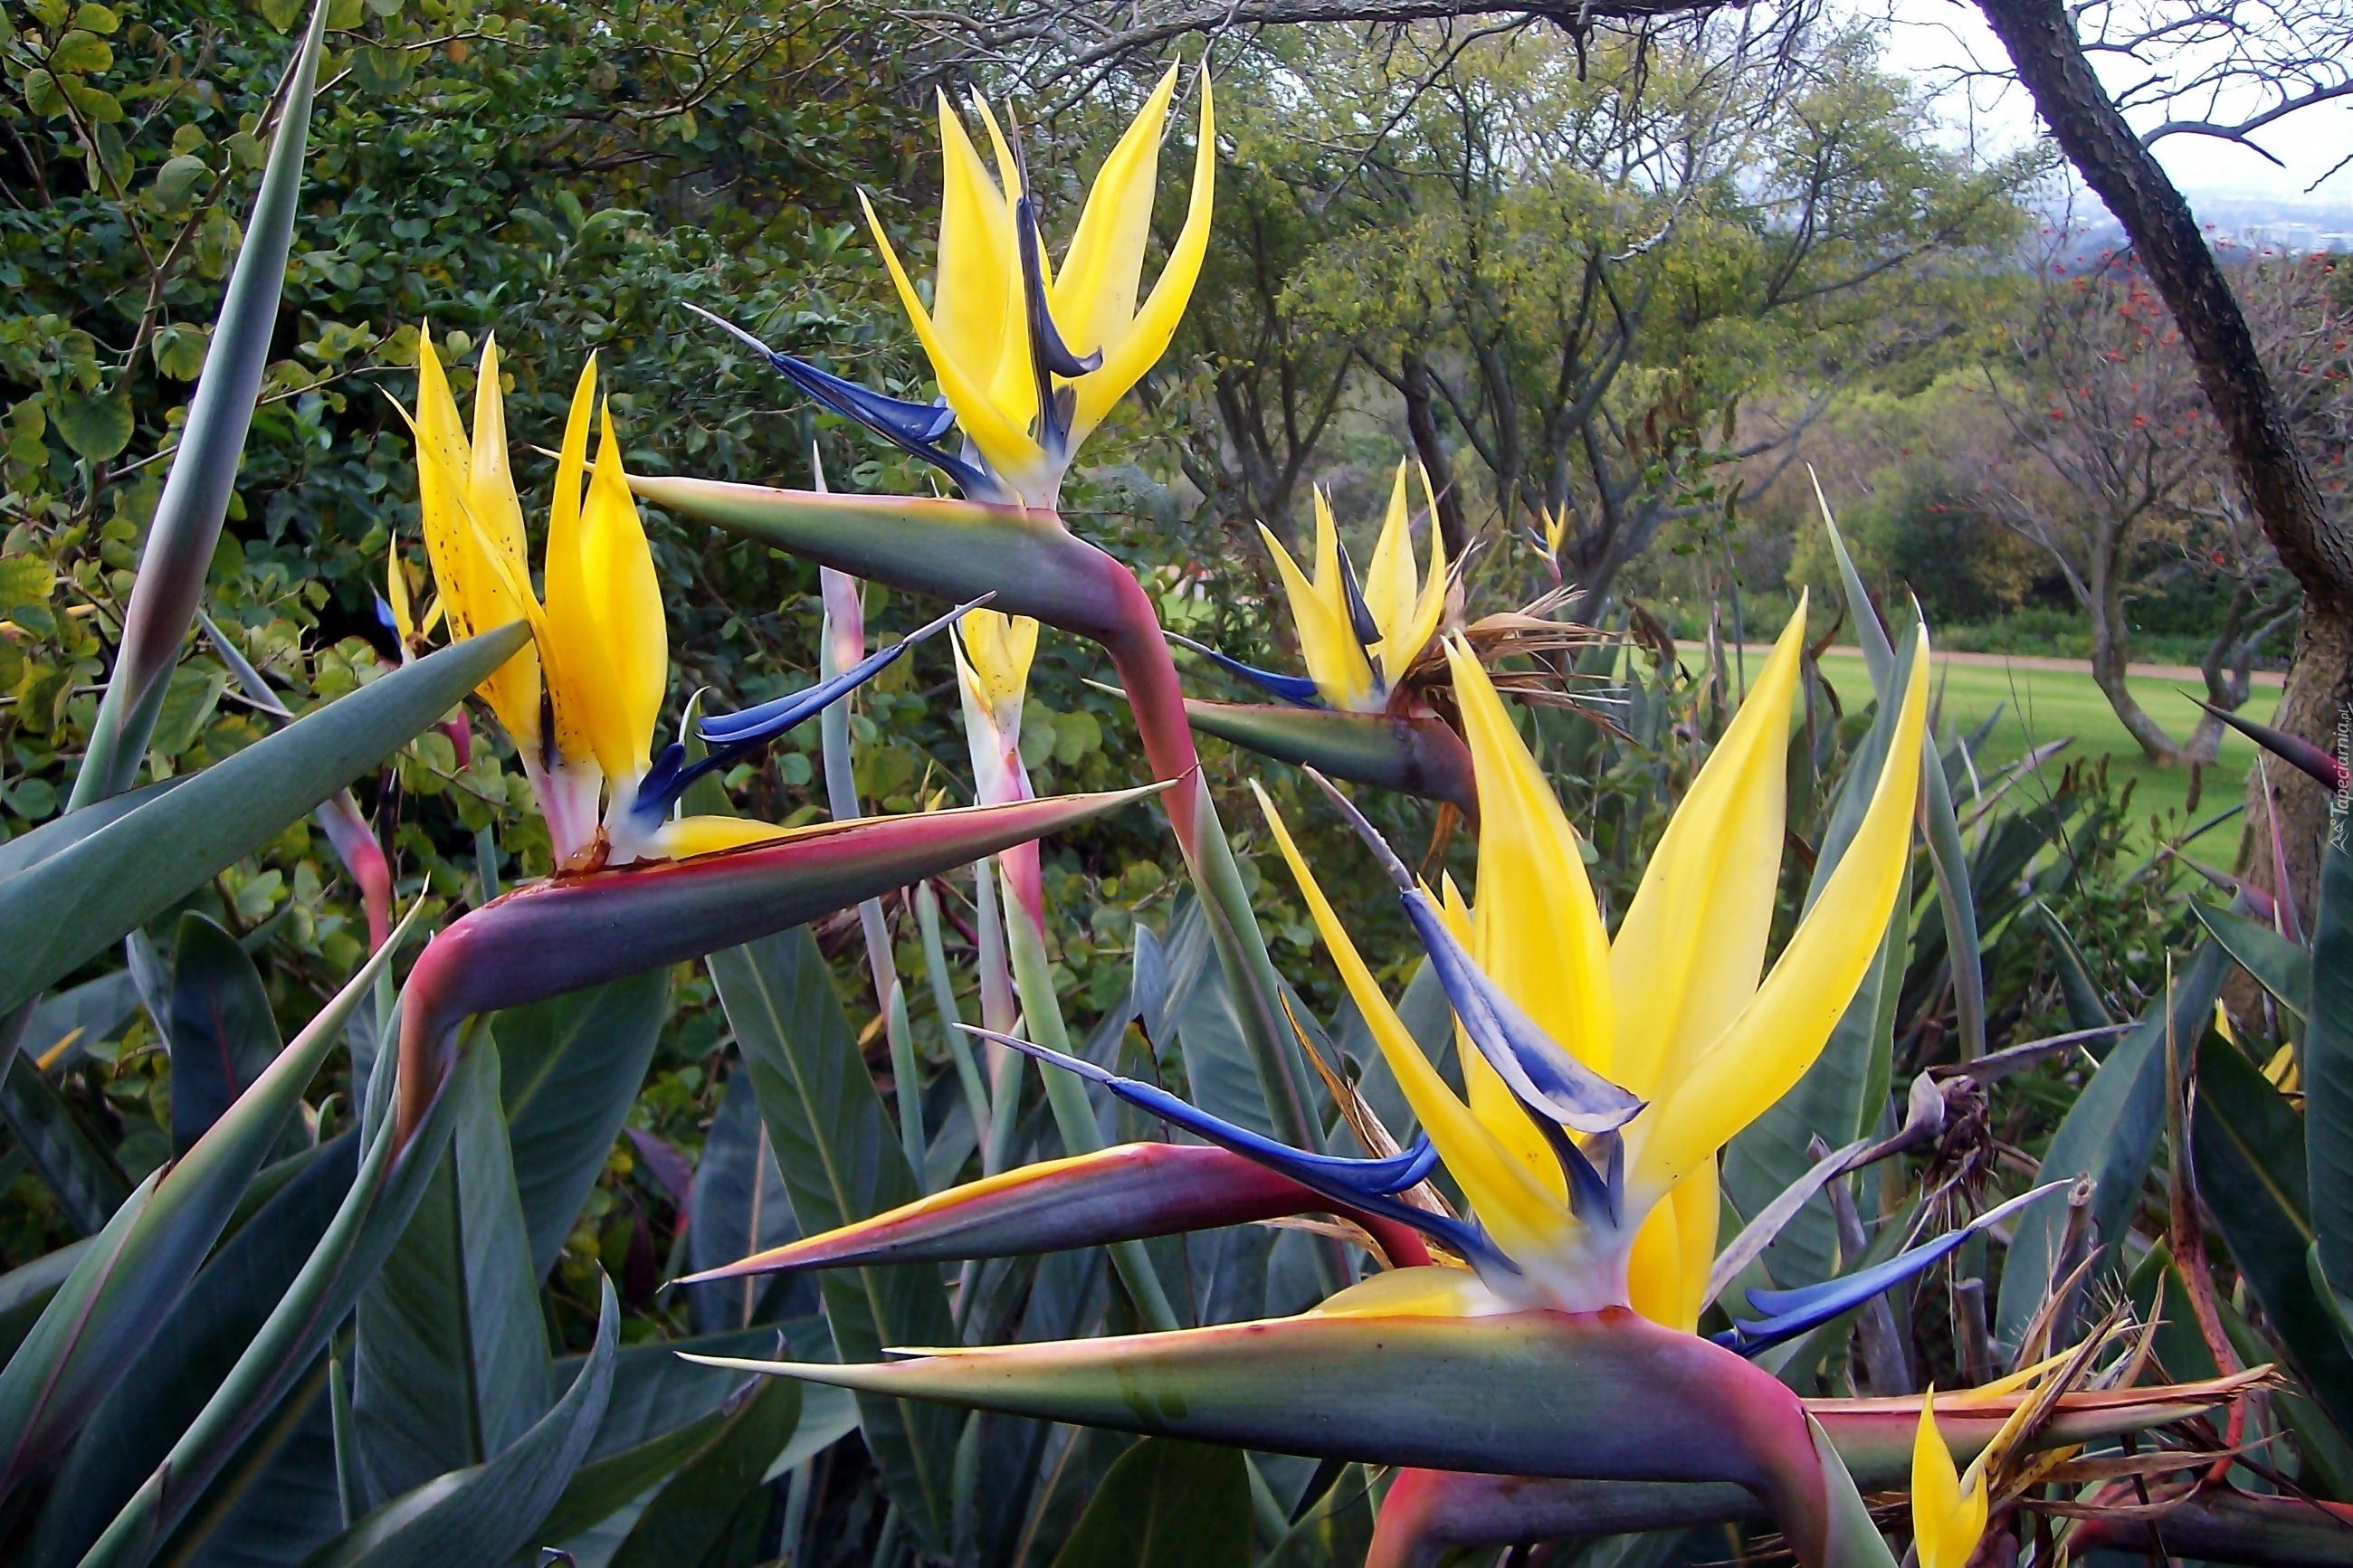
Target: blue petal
point(770, 719)
point(384, 613)
point(913, 427)
point(1366, 1185)
point(1793, 1312)
point(1297, 690)
point(1047, 351)
point(731, 736)
point(1549, 1081)
point(1360, 614)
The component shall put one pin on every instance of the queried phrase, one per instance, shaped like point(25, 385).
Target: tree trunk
point(2112, 654)
point(1421, 422)
point(2041, 38)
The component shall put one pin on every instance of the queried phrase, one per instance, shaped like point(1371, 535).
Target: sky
point(1939, 42)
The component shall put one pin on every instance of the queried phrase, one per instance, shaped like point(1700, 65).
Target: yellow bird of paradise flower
point(1672, 1011)
point(1357, 641)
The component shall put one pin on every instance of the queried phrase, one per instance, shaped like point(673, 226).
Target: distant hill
point(2254, 222)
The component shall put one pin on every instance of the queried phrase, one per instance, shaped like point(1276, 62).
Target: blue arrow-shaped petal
point(1368, 1184)
point(1297, 690)
point(1789, 1314)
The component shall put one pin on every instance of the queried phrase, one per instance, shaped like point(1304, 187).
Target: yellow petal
point(1945, 1523)
point(691, 835)
point(1492, 1100)
point(1144, 339)
point(1001, 433)
point(969, 291)
point(1777, 1036)
point(1336, 662)
point(1666, 1274)
point(1693, 943)
point(1524, 1218)
point(1401, 646)
point(1094, 298)
point(1430, 1290)
point(443, 463)
point(1008, 374)
point(1389, 587)
point(395, 594)
point(623, 598)
point(1536, 929)
point(514, 691)
point(577, 662)
point(997, 648)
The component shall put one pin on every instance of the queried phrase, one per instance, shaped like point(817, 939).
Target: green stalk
point(1074, 1117)
point(936, 965)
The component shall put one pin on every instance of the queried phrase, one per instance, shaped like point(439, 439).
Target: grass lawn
point(2039, 706)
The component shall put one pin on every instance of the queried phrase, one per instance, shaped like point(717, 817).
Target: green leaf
point(170, 1380)
point(371, 1220)
point(2278, 966)
point(58, 915)
point(83, 53)
point(2085, 1008)
point(187, 522)
point(451, 1363)
point(80, 1017)
point(1336, 1533)
point(2110, 1133)
point(662, 1412)
point(378, 70)
point(26, 580)
point(840, 1160)
point(124, 1291)
point(2251, 1173)
point(222, 1033)
point(1165, 1504)
point(712, 1500)
point(96, 425)
point(1218, 1062)
point(87, 1183)
point(2328, 1064)
point(180, 352)
point(568, 1072)
point(739, 1209)
point(486, 1513)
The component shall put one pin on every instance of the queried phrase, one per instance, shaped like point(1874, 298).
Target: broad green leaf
point(61, 834)
point(2110, 1134)
point(1165, 1504)
point(80, 1174)
point(187, 522)
point(63, 912)
point(1218, 1062)
point(2252, 1176)
point(170, 1380)
point(2328, 1064)
point(1336, 1533)
point(721, 1496)
point(568, 1072)
point(374, 1216)
point(222, 1033)
point(2278, 966)
point(451, 1363)
point(96, 425)
point(739, 1209)
point(126, 1293)
point(486, 1513)
point(70, 1022)
point(2085, 1007)
point(662, 1411)
point(840, 1160)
